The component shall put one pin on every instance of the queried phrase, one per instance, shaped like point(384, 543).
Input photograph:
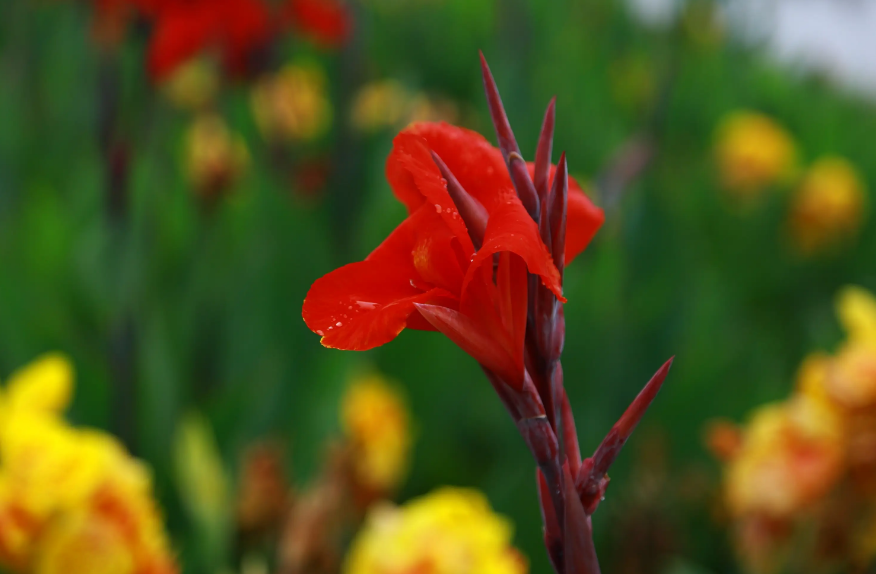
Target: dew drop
point(338, 324)
point(320, 333)
point(368, 305)
point(437, 208)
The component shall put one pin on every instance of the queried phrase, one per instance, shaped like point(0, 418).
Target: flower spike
point(558, 208)
point(592, 479)
point(579, 553)
point(543, 151)
point(510, 150)
point(470, 209)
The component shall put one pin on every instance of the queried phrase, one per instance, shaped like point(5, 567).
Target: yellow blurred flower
point(386, 104)
point(378, 105)
point(215, 157)
point(43, 385)
point(792, 454)
point(425, 108)
point(293, 104)
point(71, 500)
point(849, 377)
point(856, 308)
point(375, 419)
point(828, 206)
point(450, 531)
point(753, 152)
point(193, 84)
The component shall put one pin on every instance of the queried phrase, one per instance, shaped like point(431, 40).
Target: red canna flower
point(480, 258)
point(441, 256)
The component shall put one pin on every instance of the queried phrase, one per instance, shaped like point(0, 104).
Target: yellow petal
point(44, 385)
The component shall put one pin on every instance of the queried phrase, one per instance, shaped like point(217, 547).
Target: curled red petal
point(583, 220)
point(416, 179)
point(477, 165)
point(510, 228)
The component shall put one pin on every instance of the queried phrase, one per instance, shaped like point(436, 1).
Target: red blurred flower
point(429, 273)
point(327, 22)
point(235, 29)
point(182, 29)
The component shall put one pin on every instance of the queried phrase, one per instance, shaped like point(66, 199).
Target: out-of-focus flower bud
point(723, 439)
point(753, 152)
point(264, 493)
point(376, 421)
point(449, 530)
point(828, 206)
point(293, 104)
point(215, 157)
point(193, 85)
point(201, 478)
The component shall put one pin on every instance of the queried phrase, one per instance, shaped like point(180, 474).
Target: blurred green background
point(172, 306)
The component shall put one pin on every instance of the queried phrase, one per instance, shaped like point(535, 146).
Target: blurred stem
point(346, 178)
point(122, 339)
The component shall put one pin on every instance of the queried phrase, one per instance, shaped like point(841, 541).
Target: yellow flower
point(375, 419)
point(71, 500)
point(792, 454)
point(381, 104)
point(193, 85)
point(753, 152)
point(215, 157)
point(828, 206)
point(450, 531)
point(292, 104)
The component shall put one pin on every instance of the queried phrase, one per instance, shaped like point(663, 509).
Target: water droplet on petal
point(320, 333)
point(367, 305)
point(437, 208)
point(338, 324)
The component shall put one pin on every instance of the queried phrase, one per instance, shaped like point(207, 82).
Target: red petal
point(510, 228)
point(498, 313)
point(477, 165)
point(364, 305)
point(417, 180)
point(328, 22)
point(583, 218)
